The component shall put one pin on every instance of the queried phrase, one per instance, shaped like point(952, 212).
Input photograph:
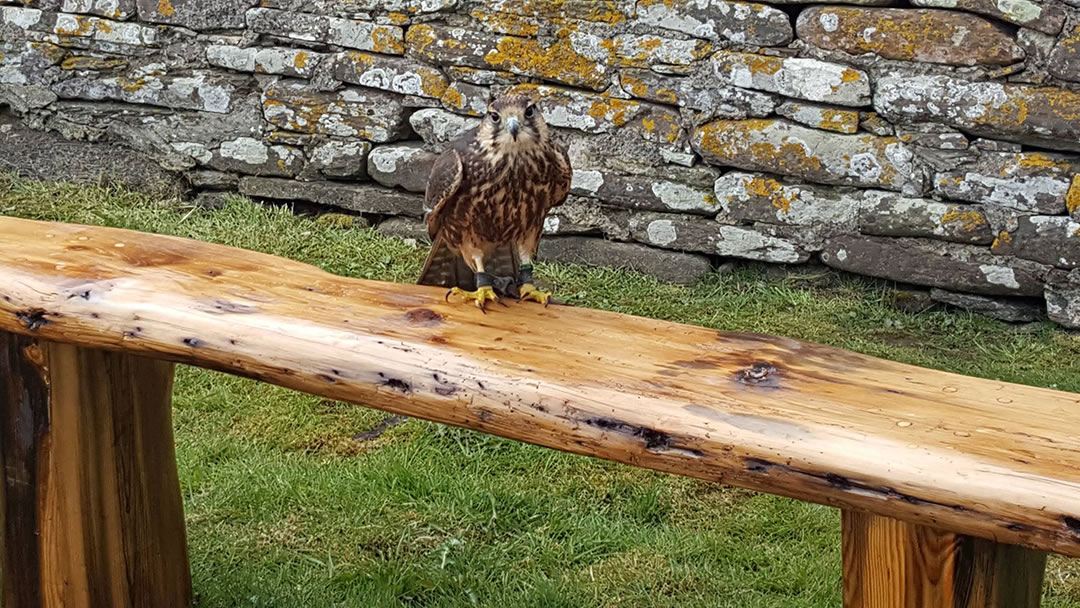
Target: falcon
point(489, 193)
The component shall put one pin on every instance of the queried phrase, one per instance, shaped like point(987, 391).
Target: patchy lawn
point(296, 501)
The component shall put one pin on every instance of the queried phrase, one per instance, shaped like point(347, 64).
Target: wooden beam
point(894, 564)
point(983, 458)
point(92, 514)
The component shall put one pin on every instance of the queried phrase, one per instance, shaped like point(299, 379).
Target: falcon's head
point(512, 122)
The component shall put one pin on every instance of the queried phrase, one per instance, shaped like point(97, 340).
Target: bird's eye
point(494, 116)
point(529, 111)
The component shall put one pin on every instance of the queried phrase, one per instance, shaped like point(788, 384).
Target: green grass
point(286, 508)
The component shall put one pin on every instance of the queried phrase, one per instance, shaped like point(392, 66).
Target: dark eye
point(494, 116)
point(529, 111)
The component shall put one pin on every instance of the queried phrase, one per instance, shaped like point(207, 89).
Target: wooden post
point(91, 506)
point(889, 563)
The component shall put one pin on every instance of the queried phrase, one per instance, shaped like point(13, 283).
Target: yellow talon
point(480, 296)
point(529, 291)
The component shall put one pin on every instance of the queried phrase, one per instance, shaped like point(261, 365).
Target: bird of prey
point(489, 193)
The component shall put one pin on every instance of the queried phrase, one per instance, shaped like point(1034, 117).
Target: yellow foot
point(528, 291)
point(480, 296)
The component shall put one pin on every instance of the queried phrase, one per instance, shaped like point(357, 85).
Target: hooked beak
point(513, 126)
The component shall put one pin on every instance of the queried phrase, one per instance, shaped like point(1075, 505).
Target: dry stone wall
point(934, 143)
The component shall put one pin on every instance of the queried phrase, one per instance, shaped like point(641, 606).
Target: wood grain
point(983, 458)
point(93, 513)
point(894, 564)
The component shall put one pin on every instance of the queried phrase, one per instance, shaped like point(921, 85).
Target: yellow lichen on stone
point(398, 18)
point(83, 27)
point(166, 8)
point(558, 62)
point(613, 110)
point(969, 221)
point(419, 37)
point(1035, 160)
point(90, 63)
point(1003, 238)
point(1072, 197)
point(384, 40)
point(767, 187)
point(506, 23)
point(453, 98)
point(850, 75)
point(301, 60)
point(763, 64)
point(432, 82)
point(634, 86)
point(843, 121)
point(734, 138)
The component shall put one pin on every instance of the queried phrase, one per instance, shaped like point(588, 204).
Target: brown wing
point(561, 176)
point(446, 175)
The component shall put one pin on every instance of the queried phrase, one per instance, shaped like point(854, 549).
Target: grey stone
point(1052, 240)
point(22, 98)
point(251, 156)
point(1047, 17)
point(690, 233)
point(1026, 181)
point(212, 200)
point(438, 127)
point(992, 145)
point(358, 8)
point(780, 146)
point(580, 215)
point(1064, 60)
point(1037, 45)
point(47, 157)
point(405, 165)
point(874, 123)
point(1043, 116)
point(944, 265)
point(938, 137)
point(798, 77)
point(903, 34)
point(1013, 310)
point(671, 266)
point(1063, 299)
point(264, 60)
point(480, 77)
point(719, 20)
point(406, 228)
point(365, 113)
point(362, 198)
point(887, 214)
point(212, 180)
point(29, 63)
point(349, 33)
point(640, 51)
point(396, 74)
point(644, 193)
point(466, 98)
point(337, 158)
point(912, 301)
point(112, 9)
point(201, 90)
point(196, 14)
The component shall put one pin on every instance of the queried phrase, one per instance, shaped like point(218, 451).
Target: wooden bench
point(953, 488)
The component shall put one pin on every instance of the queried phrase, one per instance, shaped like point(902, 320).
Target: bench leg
point(893, 564)
point(91, 507)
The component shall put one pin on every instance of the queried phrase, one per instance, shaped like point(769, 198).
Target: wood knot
point(32, 319)
point(759, 373)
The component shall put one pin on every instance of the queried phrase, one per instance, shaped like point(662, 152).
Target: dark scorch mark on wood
point(1072, 523)
point(657, 441)
point(193, 342)
point(760, 373)
point(424, 317)
point(395, 383)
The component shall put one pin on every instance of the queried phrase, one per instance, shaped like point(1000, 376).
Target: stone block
point(840, 120)
point(702, 95)
point(644, 193)
point(369, 114)
point(558, 61)
point(580, 216)
point(466, 98)
point(1046, 17)
point(212, 180)
point(951, 266)
point(698, 234)
point(438, 127)
point(1063, 299)
point(1064, 59)
point(250, 156)
point(782, 147)
point(348, 33)
point(29, 63)
point(337, 158)
point(927, 35)
point(405, 228)
point(196, 14)
point(719, 20)
point(396, 74)
point(405, 165)
point(1050, 239)
point(398, 11)
point(798, 77)
point(264, 60)
point(670, 266)
point(638, 51)
point(204, 90)
point(1035, 115)
point(110, 9)
point(1013, 310)
point(361, 198)
point(1026, 181)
